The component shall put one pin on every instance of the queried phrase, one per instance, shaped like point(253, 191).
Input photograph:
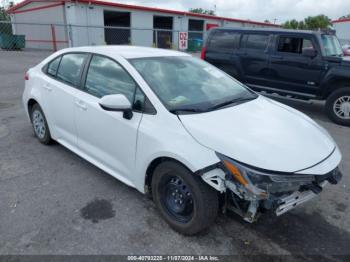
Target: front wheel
point(338, 106)
point(186, 203)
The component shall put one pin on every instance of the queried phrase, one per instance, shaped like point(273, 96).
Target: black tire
point(45, 136)
point(333, 100)
point(201, 197)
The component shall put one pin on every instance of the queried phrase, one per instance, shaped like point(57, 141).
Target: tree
point(202, 11)
point(4, 6)
point(5, 28)
point(302, 25)
point(309, 23)
point(317, 22)
point(292, 24)
point(3, 14)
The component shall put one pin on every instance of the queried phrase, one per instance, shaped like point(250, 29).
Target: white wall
point(343, 31)
point(86, 25)
point(87, 21)
point(141, 20)
point(243, 24)
point(37, 30)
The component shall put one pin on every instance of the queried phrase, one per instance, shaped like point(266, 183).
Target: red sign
point(183, 40)
point(211, 26)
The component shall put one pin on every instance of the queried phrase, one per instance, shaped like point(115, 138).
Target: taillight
point(204, 49)
point(26, 76)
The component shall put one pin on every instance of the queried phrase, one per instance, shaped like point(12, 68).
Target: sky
point(259, 10)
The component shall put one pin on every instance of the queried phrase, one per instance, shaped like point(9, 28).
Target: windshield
point(331, 45)
point(189, 84)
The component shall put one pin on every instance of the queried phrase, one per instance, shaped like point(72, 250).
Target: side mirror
point(117, 103)
point(309, 52)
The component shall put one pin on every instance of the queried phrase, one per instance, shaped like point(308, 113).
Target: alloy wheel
point(341, 107)
point(39, 124)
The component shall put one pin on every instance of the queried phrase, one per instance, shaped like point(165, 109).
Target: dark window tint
point(142, 103)
point(294, 45)
point(53, 66)
point(70, 68)
point(258, 42)
point(139, 100)
point(225, 40)
point(195, 25)
point(307, 43)
point(106, 77)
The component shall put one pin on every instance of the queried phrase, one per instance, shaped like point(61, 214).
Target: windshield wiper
point(185, 110)
point(232, 101)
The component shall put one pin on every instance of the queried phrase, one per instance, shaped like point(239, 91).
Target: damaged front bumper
point(295, 199)
point(248, 192)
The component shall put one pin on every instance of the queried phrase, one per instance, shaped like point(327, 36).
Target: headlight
point(257, 181)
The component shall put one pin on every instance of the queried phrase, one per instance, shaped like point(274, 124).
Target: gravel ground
point(54, 202)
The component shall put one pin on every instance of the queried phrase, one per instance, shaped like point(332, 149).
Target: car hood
point(262, 133)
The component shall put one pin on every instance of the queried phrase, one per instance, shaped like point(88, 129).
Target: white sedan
point(181, 130)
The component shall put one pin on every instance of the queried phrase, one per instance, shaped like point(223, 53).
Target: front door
point(106, 137)
point(290, 69)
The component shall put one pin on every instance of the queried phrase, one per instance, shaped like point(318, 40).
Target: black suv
point(291, 63)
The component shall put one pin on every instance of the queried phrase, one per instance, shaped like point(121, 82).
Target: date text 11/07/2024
point(173, 258)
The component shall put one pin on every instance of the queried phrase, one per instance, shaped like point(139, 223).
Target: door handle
point(81, 105)
point(48, 87)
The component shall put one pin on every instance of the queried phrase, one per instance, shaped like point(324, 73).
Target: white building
point(342, 27)
point(82, 22)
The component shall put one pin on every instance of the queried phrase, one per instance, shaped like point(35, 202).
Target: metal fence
point(22, 36)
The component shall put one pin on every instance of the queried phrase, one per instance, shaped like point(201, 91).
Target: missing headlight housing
point(259, 181)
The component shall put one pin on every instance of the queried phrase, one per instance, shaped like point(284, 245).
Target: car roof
point(127, 52)
point(271, 30)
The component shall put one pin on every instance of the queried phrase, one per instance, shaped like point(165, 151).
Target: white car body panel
point(96, 163)
point(106, 136)
point(325, 166)
point(164, 136)
point(260, 133)
point(59, 105)
point(245, 133)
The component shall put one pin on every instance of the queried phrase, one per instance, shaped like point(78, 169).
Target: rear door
point(62, 79)
point(254, 58)
point(220, 51)
point(292, 71)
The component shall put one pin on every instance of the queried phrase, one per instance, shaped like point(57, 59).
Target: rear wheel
point(183, 199)
point(338, 106)
point(40, 127)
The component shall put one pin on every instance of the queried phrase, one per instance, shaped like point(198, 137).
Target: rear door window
point(70, 68)
point(257, 42)
point(224, 40)
point(53, 66)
